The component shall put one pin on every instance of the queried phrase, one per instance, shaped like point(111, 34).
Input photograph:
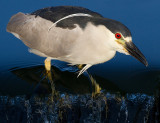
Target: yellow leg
point(80, 66)
point(96, 89)
point(47, 64)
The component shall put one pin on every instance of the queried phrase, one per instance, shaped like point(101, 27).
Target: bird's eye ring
point(118, 35)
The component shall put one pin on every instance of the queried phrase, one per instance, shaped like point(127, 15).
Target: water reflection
point(64, 81)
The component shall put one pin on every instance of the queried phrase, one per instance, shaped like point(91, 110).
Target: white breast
point(91, 47)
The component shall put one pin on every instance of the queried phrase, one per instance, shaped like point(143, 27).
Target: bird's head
point(121, 40)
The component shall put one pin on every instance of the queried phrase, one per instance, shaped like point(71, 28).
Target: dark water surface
point(121, 90)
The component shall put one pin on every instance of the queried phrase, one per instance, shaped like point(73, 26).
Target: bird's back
point(55, 13)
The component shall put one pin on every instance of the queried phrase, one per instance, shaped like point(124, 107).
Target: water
point(122, 90)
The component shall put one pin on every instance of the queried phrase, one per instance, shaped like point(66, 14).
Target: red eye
point(118, 35)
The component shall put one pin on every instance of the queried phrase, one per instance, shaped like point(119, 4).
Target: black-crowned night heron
point(73, 34)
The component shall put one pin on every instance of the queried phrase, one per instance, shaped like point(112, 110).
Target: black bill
point(135, 52)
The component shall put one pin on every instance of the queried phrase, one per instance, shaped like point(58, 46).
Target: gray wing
point(33, 31)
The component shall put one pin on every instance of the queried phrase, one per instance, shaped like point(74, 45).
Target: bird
point(73, 34)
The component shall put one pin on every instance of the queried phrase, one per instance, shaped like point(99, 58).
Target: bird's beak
point(135, 52)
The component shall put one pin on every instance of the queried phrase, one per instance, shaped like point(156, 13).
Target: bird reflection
point(94, 86)
point(63, 81)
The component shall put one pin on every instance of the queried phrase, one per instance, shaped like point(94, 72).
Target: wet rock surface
point(70, 108)
point(73, 100)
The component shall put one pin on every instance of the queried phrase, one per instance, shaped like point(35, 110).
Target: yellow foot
point(96, 89)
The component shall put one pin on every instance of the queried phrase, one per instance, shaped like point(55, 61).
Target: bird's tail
point(22, 26)
point(16, 22)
